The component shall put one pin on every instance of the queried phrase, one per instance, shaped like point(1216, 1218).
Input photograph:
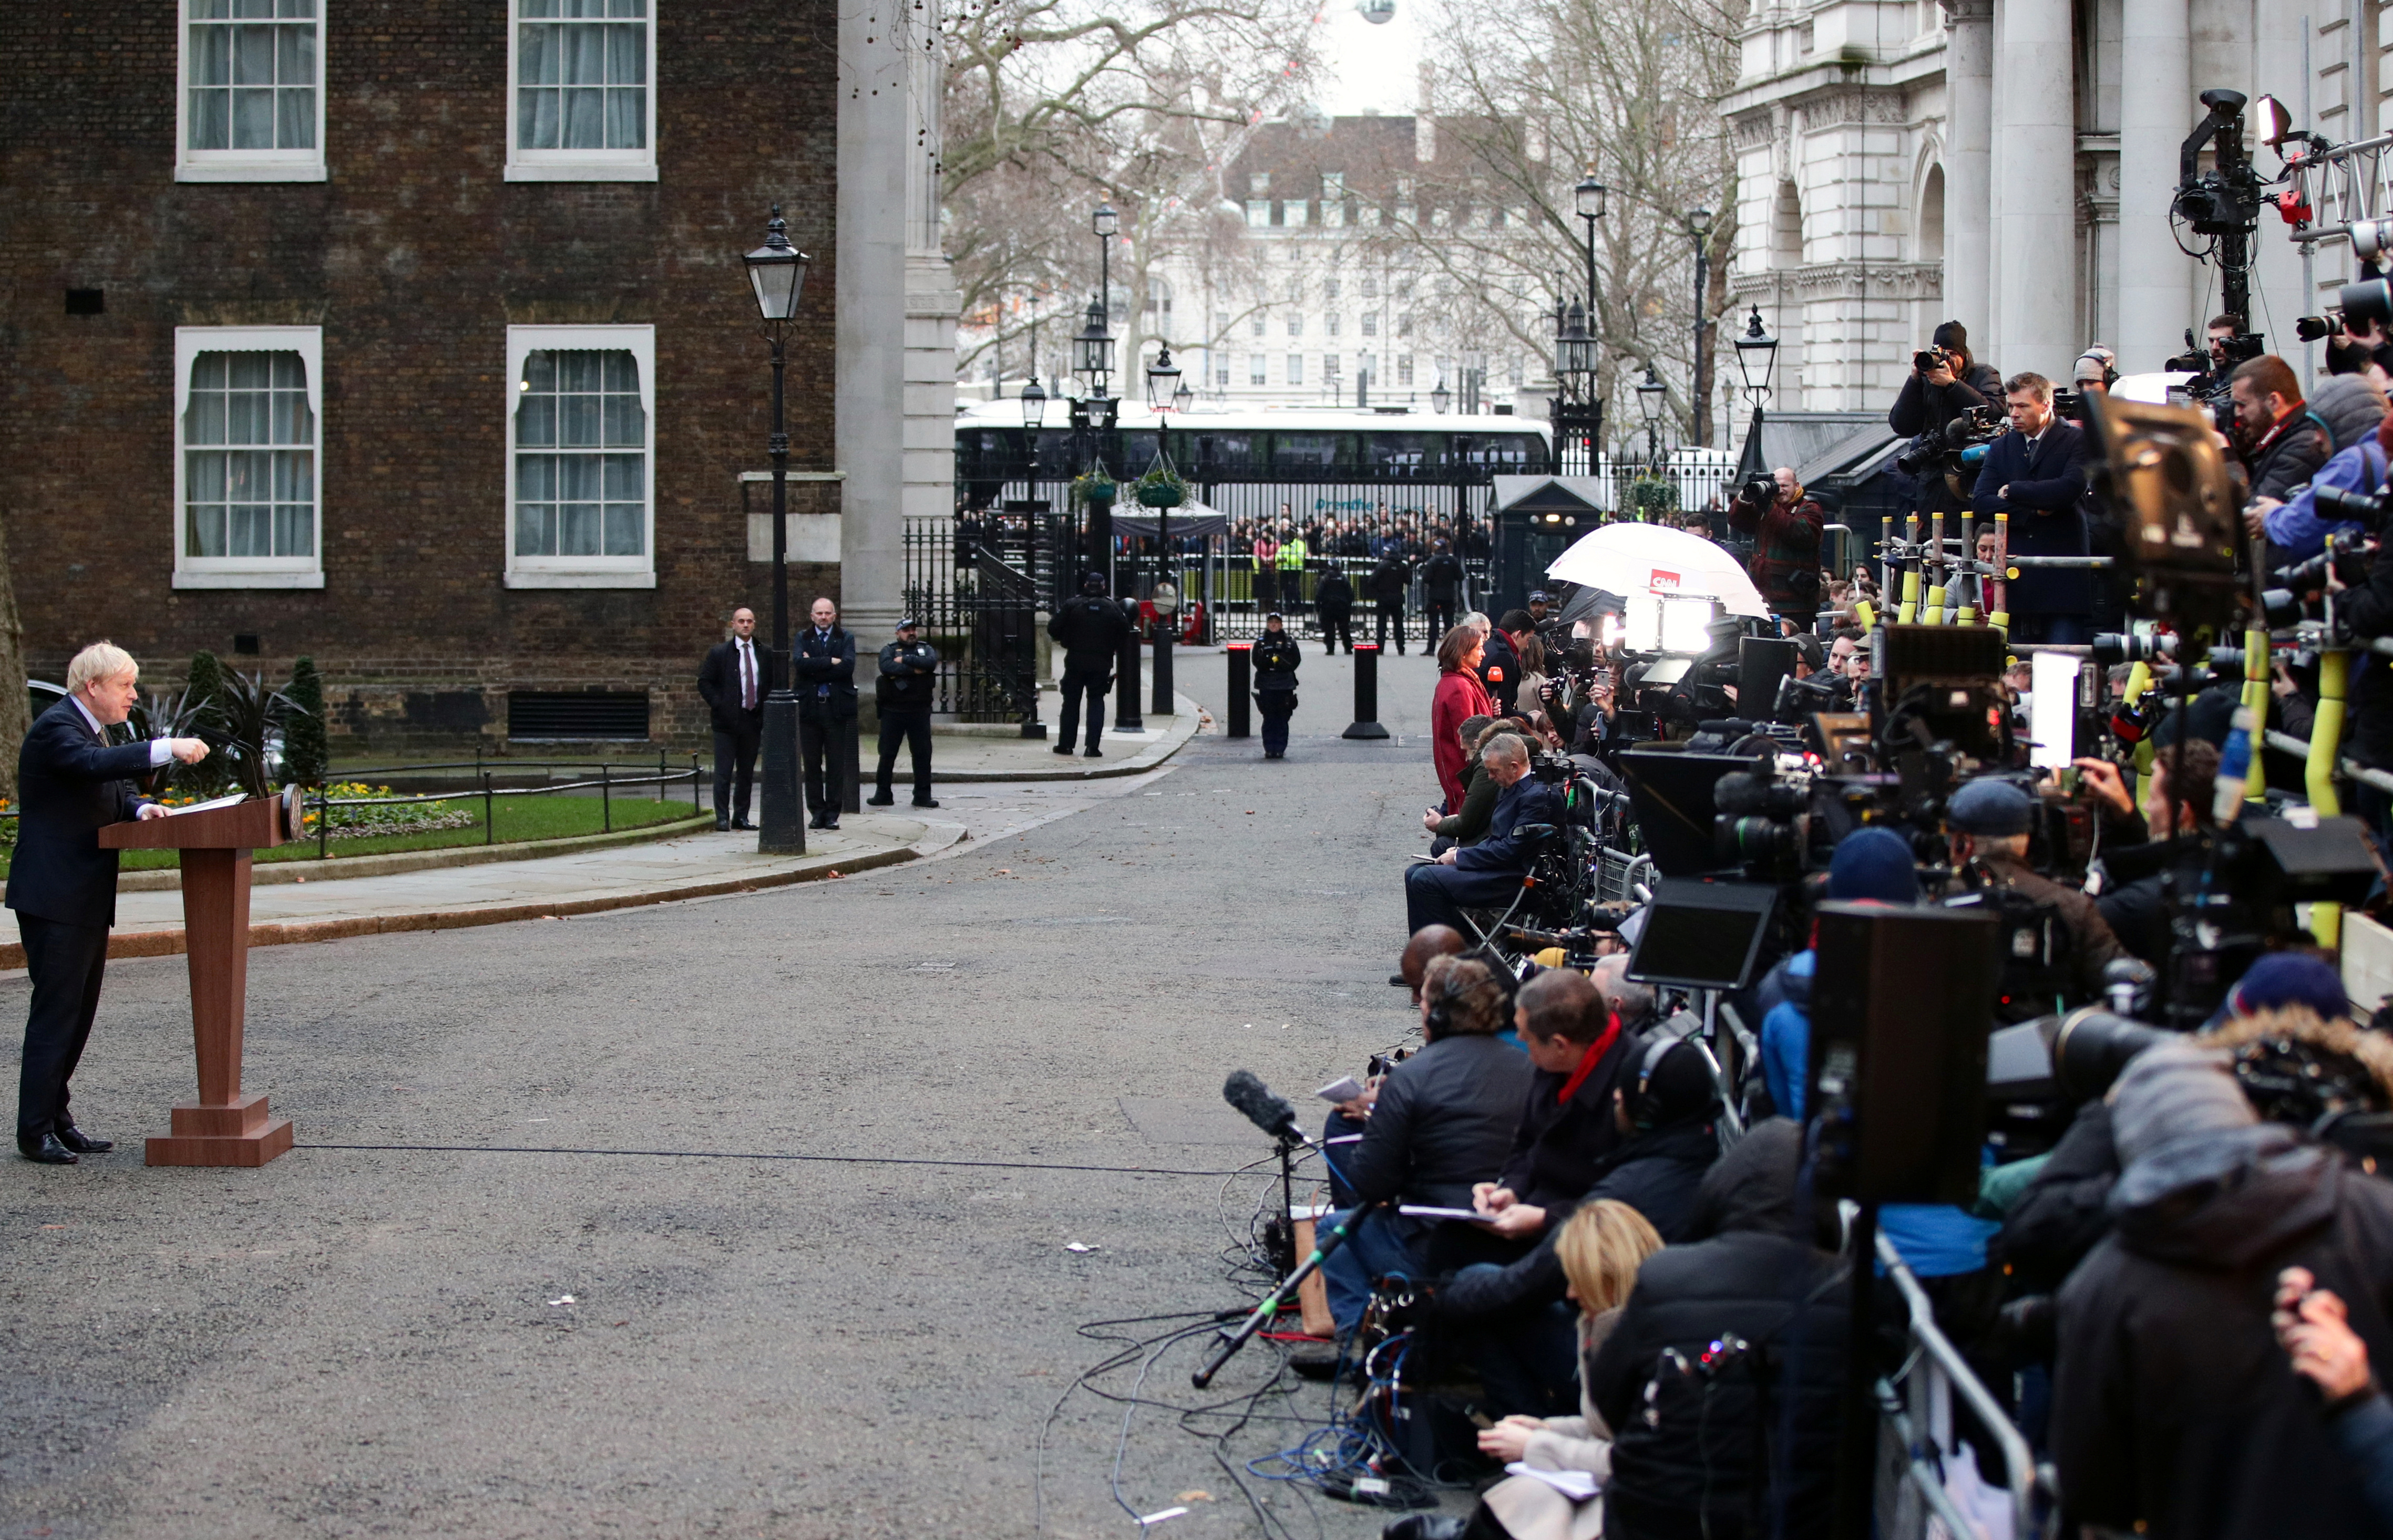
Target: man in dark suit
point(2036, 474)
point(1490, 871)
point(62, 885)
point(731, 681)
point(824, 660)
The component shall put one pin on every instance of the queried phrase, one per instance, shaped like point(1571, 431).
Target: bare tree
point(1529, 97)
point(1053, 105)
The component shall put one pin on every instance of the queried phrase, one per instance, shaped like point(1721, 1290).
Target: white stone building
point(2010, 164)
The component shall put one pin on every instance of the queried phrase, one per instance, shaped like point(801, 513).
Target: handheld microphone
point(1272, 1114)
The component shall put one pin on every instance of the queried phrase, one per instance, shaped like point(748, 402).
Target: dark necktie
point(747, 679)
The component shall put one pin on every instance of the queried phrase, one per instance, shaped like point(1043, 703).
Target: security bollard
point(1367, 693)
point(1242, 684)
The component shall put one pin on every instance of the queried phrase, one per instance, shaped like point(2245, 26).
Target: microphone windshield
point(1250, 1096)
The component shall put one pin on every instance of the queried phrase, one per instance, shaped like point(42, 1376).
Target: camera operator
point(1944, 383)
point(1988, 821)
point(2131, 901)
point(2353, 408)
point(2036, 474)
point(2288, 442)
point(2223, 331)
point(1491, 870)
point(1785, 527)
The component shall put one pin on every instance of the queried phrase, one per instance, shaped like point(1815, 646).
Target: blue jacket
point(1526, 801)
point(69, 786)
point(1937, 1239)
point(2297, 528)
point(2046, 487)
point(824, 673)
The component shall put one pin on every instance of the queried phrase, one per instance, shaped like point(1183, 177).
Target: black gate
point(978, 584)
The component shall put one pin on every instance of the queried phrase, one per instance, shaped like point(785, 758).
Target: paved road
point(403, 1328)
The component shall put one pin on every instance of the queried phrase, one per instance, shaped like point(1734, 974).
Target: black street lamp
point(1757, 357)
point(1699, 225)
point(1588, 197)
point(1650, 395)
point(1441, 397)
point(1182, 398)
point(1578, 414)
point(1163, 385)
point(778, 272)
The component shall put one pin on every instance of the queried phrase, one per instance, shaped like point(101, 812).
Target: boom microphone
point(1272, 1114)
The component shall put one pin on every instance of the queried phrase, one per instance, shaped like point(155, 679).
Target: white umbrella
point(1652, 558)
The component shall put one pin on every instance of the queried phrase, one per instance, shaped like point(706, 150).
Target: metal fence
point(978, 585)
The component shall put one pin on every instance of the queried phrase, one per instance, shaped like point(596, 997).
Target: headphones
point(2109, 361)
point(1443, 994)
point(1642, 1110)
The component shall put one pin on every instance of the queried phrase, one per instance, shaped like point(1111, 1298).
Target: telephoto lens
point(2370, 300)
point(2092, 1045)
point(2313, 328)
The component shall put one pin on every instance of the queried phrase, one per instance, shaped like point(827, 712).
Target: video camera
point(1948, 449)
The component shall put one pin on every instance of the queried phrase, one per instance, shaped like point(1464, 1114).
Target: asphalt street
point(751, 1216)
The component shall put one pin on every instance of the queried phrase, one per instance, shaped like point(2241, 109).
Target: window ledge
point(580, 171)
point(581, 580)
point(251, 170)
point(249, 580)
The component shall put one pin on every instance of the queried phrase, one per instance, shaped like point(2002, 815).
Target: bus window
point(1218, 454)
point(1395, 456)
point(1309, 451)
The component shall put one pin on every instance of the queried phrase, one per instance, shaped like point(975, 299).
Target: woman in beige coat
point(1601, 1250)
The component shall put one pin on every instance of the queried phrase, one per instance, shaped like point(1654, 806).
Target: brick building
point(412, 335)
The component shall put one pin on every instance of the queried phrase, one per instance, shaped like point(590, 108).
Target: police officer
point(1987, 824)
point(1275, 659)
point(909, 668)
point(1091, 628)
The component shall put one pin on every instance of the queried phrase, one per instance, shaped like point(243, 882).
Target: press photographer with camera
point(2353, 408)
point(2131, 902)
point(2036, 474)
point(1988, 821)
point(1785, 527)
point(2283, 441)
point(1945, 382)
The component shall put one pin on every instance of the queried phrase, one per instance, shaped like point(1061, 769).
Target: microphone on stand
point(1265, 1110)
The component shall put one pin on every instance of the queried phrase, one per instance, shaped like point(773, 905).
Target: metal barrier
point(1916, 1437)
point(1618, 874)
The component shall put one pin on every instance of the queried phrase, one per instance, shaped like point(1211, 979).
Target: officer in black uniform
point(909, 668)
point(1091, 628)
point(1276, 659)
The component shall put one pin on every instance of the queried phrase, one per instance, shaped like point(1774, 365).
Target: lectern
point(223, 1127)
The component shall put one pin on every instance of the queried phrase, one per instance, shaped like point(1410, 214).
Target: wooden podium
point(223, 1127)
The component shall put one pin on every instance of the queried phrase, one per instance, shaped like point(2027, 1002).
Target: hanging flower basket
point(1093, 488)
point(1650, 497)
point(1161, 486)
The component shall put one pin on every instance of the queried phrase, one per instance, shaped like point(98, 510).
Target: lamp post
point(1441, 397)
point(1651, 395)
point(1034, 411)
point(778, 272)
point(1588, 197)
point(1578, 415)
point(1093, 360)
point(1757, 357)
point(1699, 225)
point(1166, 392)
point(1166, 604)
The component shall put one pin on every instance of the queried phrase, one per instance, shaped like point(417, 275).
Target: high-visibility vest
point(1292, 554)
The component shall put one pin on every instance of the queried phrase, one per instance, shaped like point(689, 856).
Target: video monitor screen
point(1703, 935)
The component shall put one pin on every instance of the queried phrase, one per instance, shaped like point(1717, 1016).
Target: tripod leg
point(1268, 1311)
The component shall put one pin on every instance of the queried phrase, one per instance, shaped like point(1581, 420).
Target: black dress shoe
point(1061, 749)
point(82, 1143)
point(47, 1150)
point(741, 823)
point(924, 801)
point(723, 826)
point(1093, 754)
point(881, 800)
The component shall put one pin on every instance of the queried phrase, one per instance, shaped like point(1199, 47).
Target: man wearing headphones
point(1443, 1120)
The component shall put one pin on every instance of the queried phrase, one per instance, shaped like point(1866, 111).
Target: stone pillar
point(1968, 188)
point(932, 302)
point(2156, 111)
point(2036, 228)
point(876, 145)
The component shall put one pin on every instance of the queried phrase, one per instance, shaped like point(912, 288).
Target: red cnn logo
point(1661, 581)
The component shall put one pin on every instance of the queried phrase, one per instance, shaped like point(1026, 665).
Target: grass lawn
point(519, 818)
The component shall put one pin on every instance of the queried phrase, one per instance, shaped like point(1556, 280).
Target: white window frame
point(576, 165)
point(242, 166)
point(640, 571)
point(247, 571)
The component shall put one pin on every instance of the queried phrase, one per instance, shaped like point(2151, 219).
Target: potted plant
point(1161, 486)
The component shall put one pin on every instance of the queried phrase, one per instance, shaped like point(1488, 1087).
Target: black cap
point(1093, 583)
point(1541, 597)
point(909, 623)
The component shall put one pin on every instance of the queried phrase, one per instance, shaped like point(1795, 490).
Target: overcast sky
point(1372, 67)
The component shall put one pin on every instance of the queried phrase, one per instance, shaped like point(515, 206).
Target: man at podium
point(69, 783)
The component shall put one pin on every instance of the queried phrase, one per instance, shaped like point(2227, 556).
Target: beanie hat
point(2172, 1092)
point(1994, 808)
point(2290, 978)
point(1952, 335)
point(1874, 862)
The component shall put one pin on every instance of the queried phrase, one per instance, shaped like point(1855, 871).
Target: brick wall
point(415, 256)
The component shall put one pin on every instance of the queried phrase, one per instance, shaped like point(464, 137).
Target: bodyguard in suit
point(62, 885)
point(731, 681)
point(824, 661)
point(2036, 473)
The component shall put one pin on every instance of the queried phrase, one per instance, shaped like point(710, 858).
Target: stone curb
point(135, 943)
point(1188, 712)
point(341, 869)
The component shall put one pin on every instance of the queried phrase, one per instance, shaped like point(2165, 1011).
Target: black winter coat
point(907, 676)
point(1388, 581)
point(1499, 670)
point(2368, 610)
point(1442, 1123)
point(2174, 1410)
point(825, 667)
point(1559, 1145)
point(1923, 407)
point(1703, 1449)
point(1656, 1173)
point(1092, 629)
point(2061, 1215)
point(1441, 577)
point(2291, 457)
point(1275, 659)
point(1335, 596)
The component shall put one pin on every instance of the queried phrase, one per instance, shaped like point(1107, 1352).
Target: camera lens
point(2311, 328)
point(2368, 302)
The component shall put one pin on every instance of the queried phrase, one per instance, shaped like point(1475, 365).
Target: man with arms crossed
point(62, 885)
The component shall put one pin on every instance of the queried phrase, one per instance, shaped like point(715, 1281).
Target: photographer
point(1785, 526)
point(2131, 905)
point(2288, 442)
point(2353, 408)
point(1944, 383)
point(1988, 819)
point(2036, 474)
